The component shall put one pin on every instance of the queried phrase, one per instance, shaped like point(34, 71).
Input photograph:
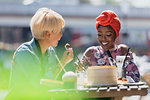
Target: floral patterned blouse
point(99, 57)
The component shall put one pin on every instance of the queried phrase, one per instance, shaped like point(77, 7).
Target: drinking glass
point(119, 61)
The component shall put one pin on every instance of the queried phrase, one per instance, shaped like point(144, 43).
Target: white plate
point(101, 85)
point(133, 84)
point(125, 84)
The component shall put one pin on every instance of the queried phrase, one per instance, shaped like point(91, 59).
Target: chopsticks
point(59, 64)
point(125, 57)
point(62, 64)
point(111, 60)
point(78, 64)
point(123, 66)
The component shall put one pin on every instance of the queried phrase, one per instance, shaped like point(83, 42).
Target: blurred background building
point(80, 17)
point(79, 30)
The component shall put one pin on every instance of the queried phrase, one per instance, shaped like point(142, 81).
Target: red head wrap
point(109, 18)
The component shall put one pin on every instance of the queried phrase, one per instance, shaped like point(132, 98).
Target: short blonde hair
point(46, 20)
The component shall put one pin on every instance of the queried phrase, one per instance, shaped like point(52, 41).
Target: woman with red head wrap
point(109, 18)
point(108, 27)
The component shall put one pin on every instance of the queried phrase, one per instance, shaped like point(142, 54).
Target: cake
point(98, 75)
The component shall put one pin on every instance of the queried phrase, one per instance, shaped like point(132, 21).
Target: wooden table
point(116, 92)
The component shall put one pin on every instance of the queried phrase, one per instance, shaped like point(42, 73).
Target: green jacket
point(29, 65)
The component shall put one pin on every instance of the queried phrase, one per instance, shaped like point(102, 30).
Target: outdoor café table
point(116, 92)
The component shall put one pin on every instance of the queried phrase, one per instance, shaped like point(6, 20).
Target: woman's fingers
point(79, 66)
point(68, 56)
point(123, 48)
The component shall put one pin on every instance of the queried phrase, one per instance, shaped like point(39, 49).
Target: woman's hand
point(67, 56)
point(79, 66)
point(123, 48)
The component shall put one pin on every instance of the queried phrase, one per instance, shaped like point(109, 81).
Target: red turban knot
point(109, 18)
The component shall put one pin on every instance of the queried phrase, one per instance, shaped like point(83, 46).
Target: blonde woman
point(35, 59)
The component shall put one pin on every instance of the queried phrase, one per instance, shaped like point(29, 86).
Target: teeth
point(104, 43)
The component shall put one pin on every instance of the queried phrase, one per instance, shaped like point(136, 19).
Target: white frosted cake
point(98, 75)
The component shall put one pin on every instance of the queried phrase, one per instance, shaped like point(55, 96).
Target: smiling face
point(106, 37)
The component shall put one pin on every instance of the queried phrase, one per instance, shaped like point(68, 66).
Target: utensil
point(124, 64)
point(111, 60)
point(59, 64)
